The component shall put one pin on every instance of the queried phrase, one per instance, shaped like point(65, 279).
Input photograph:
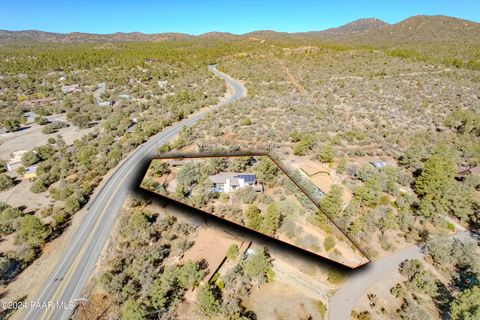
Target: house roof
point(378, 164)
point(233, 176)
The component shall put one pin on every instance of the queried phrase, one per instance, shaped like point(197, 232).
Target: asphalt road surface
point(344, 299)
point(63, 289)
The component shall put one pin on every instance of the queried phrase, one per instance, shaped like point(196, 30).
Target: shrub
point(38, 186)
point(208, 301)
point(41, 120)
point(326, 154)
point(30, 158)
point(246, 122)
point(335, 276)
point(32, 231)
point(329, 243)
point(232, 252)
point(6, 182)
point(246, 195)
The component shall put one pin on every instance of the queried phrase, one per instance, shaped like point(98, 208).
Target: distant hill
point(422, 29)
point(218, 35)
point(78, 37)
point(357, 26)
point(417, 29)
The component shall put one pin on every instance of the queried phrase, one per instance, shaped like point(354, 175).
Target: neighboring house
point(30, 172)
point(230, 181)
point(162, 84)
point(16, 160)
point(71, 88)
point(105, 104)
point(378, 164)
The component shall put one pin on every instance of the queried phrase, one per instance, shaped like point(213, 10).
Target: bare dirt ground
point(210, 244)
point(20, 195)
point(269, 302)
point(312, 285)
point(32, 136)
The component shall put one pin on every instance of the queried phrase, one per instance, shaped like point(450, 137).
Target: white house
point(105, 104)
point(16, 160)
point(230, 181)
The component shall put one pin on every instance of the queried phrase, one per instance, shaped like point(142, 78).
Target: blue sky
point(195, 17)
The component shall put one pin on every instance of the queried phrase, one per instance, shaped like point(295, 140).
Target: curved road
point(62, 291)
point(343, 300)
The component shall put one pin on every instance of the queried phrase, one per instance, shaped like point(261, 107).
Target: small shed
point(378, 164)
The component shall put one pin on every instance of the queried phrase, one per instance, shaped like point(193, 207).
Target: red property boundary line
point(249, 154)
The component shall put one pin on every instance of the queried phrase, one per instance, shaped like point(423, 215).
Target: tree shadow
point(443, 300)
point(464, 279)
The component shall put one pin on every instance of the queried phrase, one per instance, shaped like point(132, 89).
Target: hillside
point(357, 26)
point(79, 37)
point(416, 30)
point(424, 29)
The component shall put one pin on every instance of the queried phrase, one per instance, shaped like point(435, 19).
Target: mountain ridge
point(367, 30)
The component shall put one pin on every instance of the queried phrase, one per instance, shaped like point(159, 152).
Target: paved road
point(344, 299)
point(65, 284)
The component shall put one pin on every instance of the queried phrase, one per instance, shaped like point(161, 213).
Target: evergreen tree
point(271, 220)
point(331, 202)
point(207, 301)
point(253, 217)
point(467, 305)
point(132, 311)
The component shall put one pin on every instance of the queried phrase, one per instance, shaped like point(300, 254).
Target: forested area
point(417, 114)
point(163, 82)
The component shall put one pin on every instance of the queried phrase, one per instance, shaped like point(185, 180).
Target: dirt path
point(292, 79)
